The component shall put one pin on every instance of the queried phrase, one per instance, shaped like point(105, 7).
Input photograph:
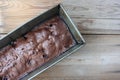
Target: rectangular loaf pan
point(57, 10)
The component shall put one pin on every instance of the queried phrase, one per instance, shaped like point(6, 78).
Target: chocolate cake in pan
point(38, 44)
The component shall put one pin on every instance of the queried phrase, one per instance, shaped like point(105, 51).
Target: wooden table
point(98, 21)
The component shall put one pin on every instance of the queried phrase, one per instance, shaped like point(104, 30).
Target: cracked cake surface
point(41, 44)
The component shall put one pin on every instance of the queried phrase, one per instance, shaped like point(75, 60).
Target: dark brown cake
point(38, 46)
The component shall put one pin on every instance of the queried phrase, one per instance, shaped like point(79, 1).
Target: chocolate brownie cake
point(41, 44)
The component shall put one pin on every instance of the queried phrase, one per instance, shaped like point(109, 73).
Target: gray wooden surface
point(95, 16)
point(99, 22)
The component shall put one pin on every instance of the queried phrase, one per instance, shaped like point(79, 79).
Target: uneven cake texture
point(38, 46)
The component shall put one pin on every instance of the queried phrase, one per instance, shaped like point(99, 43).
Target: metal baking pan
point(18, 32)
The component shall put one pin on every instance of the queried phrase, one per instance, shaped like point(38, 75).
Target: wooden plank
point(1, 22)
point(98, 26)
point(0, 18)
point(93, 8)
point(95, 16)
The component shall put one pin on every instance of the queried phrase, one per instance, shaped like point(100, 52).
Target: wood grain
point(1, 14)
point(98, 26)
point(92, 16)
point(109, 9)
point(99, 59)
point(95, 16)
point(0, 17)
point(17, 12)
